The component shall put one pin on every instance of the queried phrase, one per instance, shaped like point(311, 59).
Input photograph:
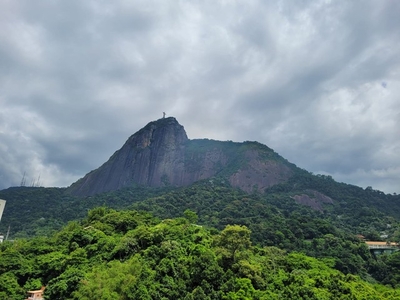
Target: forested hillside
point(32, 211)
point(37, 211)
point(278, 218)
point(131, 255)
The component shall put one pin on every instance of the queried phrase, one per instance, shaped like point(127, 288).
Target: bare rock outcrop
point(160, 154)
point(314, 199)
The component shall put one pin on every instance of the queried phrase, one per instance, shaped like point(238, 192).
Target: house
point(381, 245)
point(36, 295)
point(379, 248)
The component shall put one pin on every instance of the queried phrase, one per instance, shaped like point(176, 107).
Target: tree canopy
point(129, 254)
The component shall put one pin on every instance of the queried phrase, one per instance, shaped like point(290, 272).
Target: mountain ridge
point(161, 154)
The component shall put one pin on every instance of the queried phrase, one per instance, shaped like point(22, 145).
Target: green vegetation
point(231, 152)
point(37, 211)
point(131, 255)
point(215, 242)
point(298, 240)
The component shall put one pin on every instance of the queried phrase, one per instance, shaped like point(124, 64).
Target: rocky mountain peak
point(165, 132)
point(160, 154)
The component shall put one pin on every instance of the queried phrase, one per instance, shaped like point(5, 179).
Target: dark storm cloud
point(318, 81)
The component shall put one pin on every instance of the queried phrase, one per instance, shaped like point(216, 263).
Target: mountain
point(160, 154)
point(159, 170)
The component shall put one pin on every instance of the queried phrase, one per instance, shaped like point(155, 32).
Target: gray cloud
point(318, 81)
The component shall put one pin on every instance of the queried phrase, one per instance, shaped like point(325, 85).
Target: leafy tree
point(63, 286)
point(234, 238)
point(9, 287)
point(191, 216)
point(137, 256)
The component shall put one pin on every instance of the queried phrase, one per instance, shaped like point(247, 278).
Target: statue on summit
point(163, 115)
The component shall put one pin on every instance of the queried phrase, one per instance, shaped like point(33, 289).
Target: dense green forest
point(34, 211)
point(129, 254)
point(73, 245)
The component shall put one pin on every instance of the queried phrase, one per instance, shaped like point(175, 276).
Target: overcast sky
point(317, 81)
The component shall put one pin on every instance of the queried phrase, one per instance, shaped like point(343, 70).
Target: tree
point(235, 238)
point(9, 288)
point(64, 285)
point(191, 216)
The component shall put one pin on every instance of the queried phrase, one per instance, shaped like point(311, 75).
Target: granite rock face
point(313, 199)
point(160, 154)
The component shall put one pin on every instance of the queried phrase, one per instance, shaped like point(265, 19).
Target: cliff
point(160, 154)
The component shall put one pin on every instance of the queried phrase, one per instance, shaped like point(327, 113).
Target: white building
point(2, 204)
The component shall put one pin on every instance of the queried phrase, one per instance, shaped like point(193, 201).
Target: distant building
point(36, 295)
point(378, 247)
point(381, 245)
point(2, 204)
